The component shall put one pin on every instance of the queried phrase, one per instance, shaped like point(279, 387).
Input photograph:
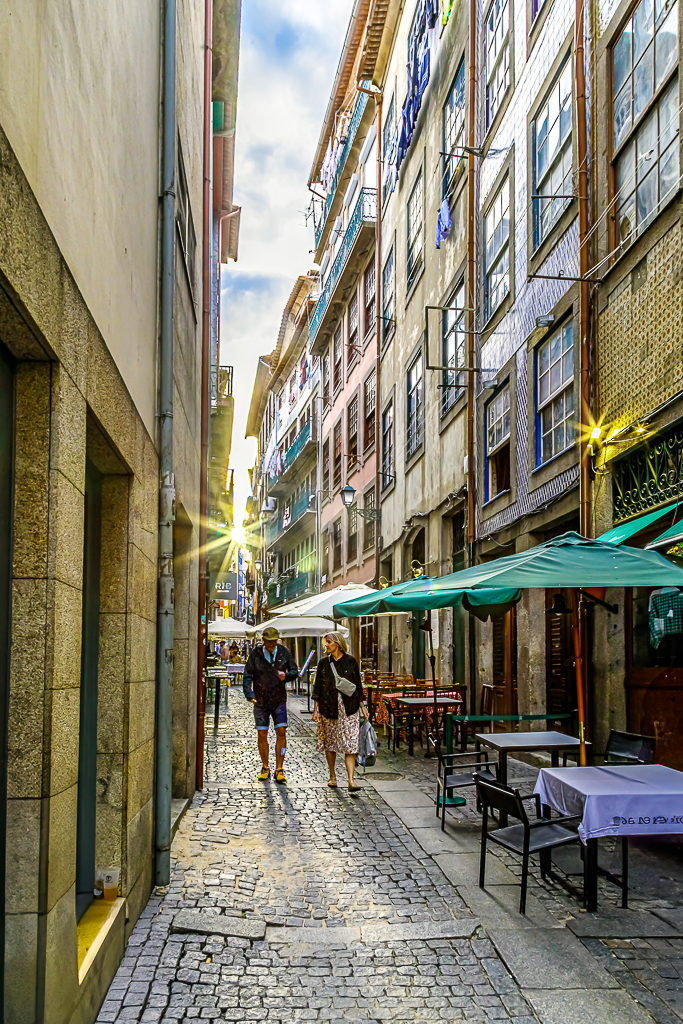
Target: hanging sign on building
point(225, 587)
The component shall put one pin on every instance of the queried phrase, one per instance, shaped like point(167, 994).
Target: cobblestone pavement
point(309, 857)
point(316, 858)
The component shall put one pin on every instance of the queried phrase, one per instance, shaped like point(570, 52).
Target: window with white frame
point(555, 393)
point(369, 298)
point(497, 253)
point(368, 521)
point(353, 350)
point(352, 433)
point(388, 446)
point(352, 533)
point(415, 409)
point(497, 36)
point(388, 131)
point(185, 223)
point(415, 245)
point(536, 8)
point(645, 115)
point(498, 444)
point(337, 358)
point(453, 328)
point(454, 127)
point(388, 295)
point(552, 139)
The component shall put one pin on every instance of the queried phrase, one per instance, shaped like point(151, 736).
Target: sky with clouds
point(289, 55)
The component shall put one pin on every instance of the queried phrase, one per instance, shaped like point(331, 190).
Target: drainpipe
point(472, 294)
point(165, 612)
point(377, 95)
point(206, 373)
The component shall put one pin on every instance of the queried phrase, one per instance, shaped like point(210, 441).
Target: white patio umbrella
point(323, 604)
point(228, 627)
point(298, 625)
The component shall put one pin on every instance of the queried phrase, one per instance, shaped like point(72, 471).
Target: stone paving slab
point(498, 909)
point(550, 958)
point(622, 924)
point(463, 869)
point(425, 930)
point(206, 922)
point(313, 936)
point(587, 1006)
point(674, 918)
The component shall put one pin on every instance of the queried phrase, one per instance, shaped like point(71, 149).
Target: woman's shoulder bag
point(343, 685)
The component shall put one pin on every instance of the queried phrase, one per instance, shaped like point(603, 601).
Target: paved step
point(376, 933)
point(624, 924)
point(204, 922)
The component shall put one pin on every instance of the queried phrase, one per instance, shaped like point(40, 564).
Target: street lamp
point(258, 564)
point(347, 495)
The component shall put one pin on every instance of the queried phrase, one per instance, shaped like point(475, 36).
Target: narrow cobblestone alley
point(315, 859)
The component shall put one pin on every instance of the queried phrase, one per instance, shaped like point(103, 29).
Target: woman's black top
point(325, 691)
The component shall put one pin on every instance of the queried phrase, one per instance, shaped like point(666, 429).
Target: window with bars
point(497, 252)
point(369, 405)
point(415, 408)
point(352, 534)
point(497, 42)
point(498, 445)
point(337, 545)
point(368, 524)
point(185, 223)
point(453, 127)
point(326, 465)
point(369, 294)
point(555, 391)
point(453, 332)
point(552, 157)
point(388, 296)
point(326, 379)
point(337, 463)
point(337, 356)
point(352, 432)
point(353, 350)
point(415, 246)
point(387, 139)
point(645, 116)
point(388, 446)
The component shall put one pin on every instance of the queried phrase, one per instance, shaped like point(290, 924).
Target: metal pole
point(578, 665)
point(165, 615)
point(584, 266)
point(471, 316)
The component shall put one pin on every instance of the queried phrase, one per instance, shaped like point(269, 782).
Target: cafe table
point(422, 703)
point(614, 800)
point(525, 742)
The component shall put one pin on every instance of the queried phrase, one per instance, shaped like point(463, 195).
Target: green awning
point(625, 530)
point(670, 536)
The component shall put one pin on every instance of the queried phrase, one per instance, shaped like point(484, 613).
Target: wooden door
point(505, 667)
point(654, 681)
point(560, 680)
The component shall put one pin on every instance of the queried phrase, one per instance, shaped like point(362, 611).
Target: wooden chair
point(540, 836)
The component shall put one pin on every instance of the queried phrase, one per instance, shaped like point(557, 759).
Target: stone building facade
point(79, 528)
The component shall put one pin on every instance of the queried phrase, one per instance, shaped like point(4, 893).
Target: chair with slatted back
point(629, 748)
point(540, 836)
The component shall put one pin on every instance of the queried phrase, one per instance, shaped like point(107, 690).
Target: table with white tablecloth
point(614, 800)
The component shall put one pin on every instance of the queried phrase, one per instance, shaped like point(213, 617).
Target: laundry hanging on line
point(443, 222)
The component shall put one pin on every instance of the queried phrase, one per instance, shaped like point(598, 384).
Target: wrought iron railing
point(365, 210)
point(648, 476)
point(350, 136)
point(306, 434)
point(291, 515)
point(279, 593)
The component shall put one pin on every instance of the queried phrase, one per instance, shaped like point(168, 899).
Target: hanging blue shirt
point(443, 222)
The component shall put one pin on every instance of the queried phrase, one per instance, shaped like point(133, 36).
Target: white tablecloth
point(616, 800)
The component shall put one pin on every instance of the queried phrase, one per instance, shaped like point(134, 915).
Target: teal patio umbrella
point(570, 561)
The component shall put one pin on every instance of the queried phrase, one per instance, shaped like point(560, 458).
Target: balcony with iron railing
point(297, 581)
point(359, 232)
point(351, 133)
point(290, 516)
point(304, 444)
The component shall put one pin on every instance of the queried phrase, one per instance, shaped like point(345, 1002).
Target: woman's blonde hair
point(338, 638)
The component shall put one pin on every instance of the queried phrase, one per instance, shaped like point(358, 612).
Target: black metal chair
point(453, 774)
point(629, 748)
point(540, 836)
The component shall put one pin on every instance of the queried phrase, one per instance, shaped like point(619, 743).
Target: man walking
point(267, 670)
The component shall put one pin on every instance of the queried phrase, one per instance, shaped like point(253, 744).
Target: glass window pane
point(567, 366)
point(555, 347)
point(626, 171)
point(666, 46)
point(646, 198)
point(567, 337)
point(544, 388)
point(668, 171)
point(647, 145)
point(668, 115)
point(622, 114)
point(622, 58)
point(555, 377)
point(643, 83)
point(626, 220)
point(643, 23)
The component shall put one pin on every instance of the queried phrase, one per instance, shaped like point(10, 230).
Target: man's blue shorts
point(264, 712)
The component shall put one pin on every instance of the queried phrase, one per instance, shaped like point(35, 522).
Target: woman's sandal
point(354, 789)
point(331, 784)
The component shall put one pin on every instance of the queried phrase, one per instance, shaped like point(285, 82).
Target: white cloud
point(289, 56)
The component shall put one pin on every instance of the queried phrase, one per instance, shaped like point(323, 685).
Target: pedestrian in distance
point(269, 667)
point(337, 696)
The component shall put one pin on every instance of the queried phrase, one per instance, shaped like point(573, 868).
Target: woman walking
point(337, 695)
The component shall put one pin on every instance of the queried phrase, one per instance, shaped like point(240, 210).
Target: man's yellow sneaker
point(264, 774)
point(280, 776)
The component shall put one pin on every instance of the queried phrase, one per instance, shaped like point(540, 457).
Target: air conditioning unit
point(268, 505)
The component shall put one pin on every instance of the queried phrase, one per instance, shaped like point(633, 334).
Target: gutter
point(165, 601)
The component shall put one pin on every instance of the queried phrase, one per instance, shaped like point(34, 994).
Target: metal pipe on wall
point(165, 605)
point(584, 266)
point(472, 324)
point(205, 398)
